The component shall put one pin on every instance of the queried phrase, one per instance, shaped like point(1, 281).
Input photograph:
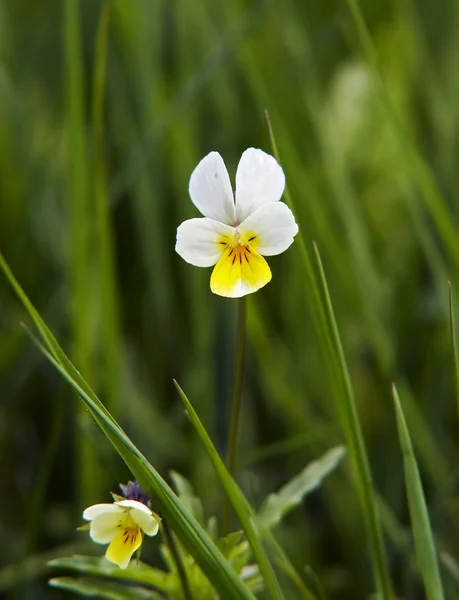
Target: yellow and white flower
point(237, 231)
point(121, 525)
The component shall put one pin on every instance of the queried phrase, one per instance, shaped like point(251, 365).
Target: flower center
point(130, 535)
point(239, 242)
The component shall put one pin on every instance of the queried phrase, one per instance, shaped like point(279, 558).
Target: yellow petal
point(123, 546)
point(240, 271)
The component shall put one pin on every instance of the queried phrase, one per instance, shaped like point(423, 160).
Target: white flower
point(236, 232)
point(122, 525)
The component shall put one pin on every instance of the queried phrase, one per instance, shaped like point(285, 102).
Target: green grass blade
point(89, 478)
point(454, 344)
point(109, 314)
point(315, 584)
point(193, 537)
point(137, 572)
point(104, 590)
point(318, 312)
point(304, 588)
point(358, 454)
point(423, 538)
point(418, 168)
point(451, 567)
point(237, 499)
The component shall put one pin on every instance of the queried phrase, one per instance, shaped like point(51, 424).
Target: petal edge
point(259, 180)
point(210, 189)
point(273, 226)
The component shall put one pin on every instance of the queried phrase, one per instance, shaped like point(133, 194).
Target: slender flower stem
point(233, 434)
point(172, 545)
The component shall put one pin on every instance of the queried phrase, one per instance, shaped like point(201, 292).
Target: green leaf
point(451, 566)
point(187, 495)
point(100, 567)
point(277, 505)
point(238, 501)
point(426, 553)
point(193, 537)
point(357, 452)
point(314, 584)
point(102, 589)
point(229, 542)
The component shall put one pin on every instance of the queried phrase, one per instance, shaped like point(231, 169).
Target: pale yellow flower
point(237, 231)
point(121, 525)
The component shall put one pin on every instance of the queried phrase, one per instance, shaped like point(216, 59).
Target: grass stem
point(233, 433)
point(173, 548)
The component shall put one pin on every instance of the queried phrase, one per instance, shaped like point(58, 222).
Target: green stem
point(172, 545)
point(233, 434)
point(454, 344)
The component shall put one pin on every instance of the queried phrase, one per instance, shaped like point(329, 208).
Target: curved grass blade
point(315, 584)
point(237, 499)
point(95, 566)
point(93, 588)
point(358, 453)
point(454, 343)
point(423, 538)
point(193, 537)
point(305, 588)
point(320, 319)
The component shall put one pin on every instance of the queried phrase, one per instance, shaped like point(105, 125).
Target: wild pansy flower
point(122, 524)
point(237, 231)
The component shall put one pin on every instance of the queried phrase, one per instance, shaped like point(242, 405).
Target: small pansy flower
point(237, 231)
point(122, 524)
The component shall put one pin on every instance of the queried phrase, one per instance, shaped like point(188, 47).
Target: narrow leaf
point(97, 566)
point(237, 499)
point(358, 453)
point(426, 553)
point(277, 505)
point(92, 588)
point(187, 495)
point(454, 343)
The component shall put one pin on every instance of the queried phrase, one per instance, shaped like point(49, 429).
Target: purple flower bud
point(133, 491)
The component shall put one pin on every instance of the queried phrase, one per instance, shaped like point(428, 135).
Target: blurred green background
point(89, 204)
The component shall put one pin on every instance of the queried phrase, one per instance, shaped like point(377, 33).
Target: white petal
point(274, 227)
point(259, 180)
point(99, 509)
point(198, 241)
point(134, 504)
point(210, 189)
point(104, 527)
point(149, 523)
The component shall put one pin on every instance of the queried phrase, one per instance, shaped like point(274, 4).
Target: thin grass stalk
point(320, 319)
point(358, 453)
point(109, 309)
point(424, 543)
point(238, 501)
point(87, 472)
point(454, 344)
point(236, 402)
point(172, 545)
